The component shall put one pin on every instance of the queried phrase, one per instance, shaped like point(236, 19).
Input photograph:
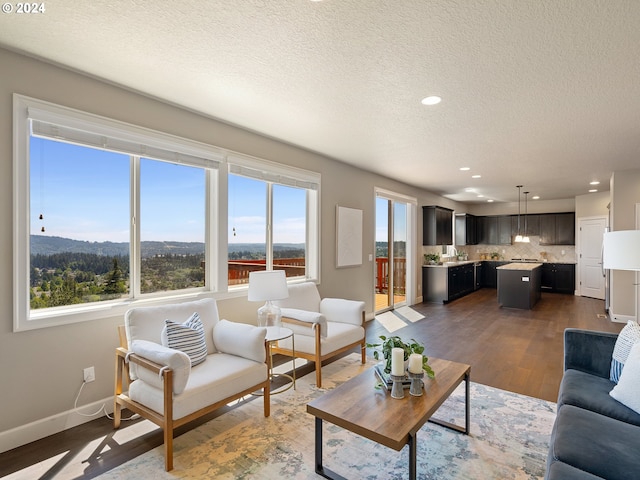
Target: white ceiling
point(544, 93)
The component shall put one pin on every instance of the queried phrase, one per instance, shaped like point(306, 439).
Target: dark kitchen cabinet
point(558, 229)
point(437, 226)
point(466, 229)
point(487, 228)
point(442, 284)
point(531, 224)
point(504, 229)
point(558, 277)
point(490, 273)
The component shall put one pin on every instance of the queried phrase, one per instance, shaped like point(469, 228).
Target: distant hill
point(45, 245)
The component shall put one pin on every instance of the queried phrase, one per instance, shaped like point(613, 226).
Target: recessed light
point(490, 201)
point(480, 196)
point(468, 189)
point(476, 176)
point(432, 100)
point(595, 182)
point(465, 169)
point(536, 197)
point(593, 190)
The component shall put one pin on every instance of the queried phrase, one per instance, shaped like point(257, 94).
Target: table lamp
point(268, 285)
point(621, 251)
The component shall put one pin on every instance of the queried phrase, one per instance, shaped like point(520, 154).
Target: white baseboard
point(614, 317)
point(33, 431)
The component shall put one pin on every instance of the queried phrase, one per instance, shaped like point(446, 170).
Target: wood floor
point(514, 350)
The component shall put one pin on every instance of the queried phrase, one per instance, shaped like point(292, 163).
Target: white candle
point(397, 362)
point(415, 363)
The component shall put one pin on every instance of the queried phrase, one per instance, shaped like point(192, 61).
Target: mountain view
point(66, 271)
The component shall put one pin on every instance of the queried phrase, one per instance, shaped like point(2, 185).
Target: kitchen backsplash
point(532, 250)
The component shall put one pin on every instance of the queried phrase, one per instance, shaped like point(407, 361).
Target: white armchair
point(322, 328)
point(164, 387)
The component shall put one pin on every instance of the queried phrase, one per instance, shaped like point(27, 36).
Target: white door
point(592, 281)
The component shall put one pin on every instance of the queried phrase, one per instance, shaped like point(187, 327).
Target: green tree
point(114, 280)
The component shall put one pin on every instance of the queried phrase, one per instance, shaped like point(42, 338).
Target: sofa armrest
point(344, 311)
point(589, 351)
point(304, 319)
point(241, 340)
point(152, 358)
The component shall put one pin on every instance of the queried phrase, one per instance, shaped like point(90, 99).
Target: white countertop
point(519, 266)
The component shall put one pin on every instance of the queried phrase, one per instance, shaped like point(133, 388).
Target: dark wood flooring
point(514, 350)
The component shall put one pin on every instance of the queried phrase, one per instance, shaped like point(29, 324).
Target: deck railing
point(399, 275)
point(239, 269)
point(294, 267)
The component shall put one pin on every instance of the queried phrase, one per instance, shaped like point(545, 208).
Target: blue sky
point(382, 220)
point(84, 194)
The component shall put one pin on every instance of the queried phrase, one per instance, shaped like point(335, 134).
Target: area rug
point(509, 440)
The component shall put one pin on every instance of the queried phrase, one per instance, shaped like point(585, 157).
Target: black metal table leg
point(412, 456)
point(320, 470)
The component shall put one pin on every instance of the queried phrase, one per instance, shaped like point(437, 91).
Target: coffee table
point(360, 408)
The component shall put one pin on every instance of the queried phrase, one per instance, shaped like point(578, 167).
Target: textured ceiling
point(544, 93)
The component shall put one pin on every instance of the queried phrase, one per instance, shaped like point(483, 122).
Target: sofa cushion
point(240, 339)
point(627, 391)
point(561, 471)
point(628, 337)
point(188, 337)
point(591, 392)
point(595, 443)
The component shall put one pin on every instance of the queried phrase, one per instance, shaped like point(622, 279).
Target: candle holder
point(415, 388)
point(397, 390)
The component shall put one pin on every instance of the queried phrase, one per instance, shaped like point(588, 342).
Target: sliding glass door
point(392, 234)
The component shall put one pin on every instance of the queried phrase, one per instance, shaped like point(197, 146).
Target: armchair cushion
point(176, 360)
point(188, 337)
point(302, 296)
point(341, 310)
point(307, 317)
point(240, 339)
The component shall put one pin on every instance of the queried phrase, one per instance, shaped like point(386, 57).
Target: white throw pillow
point(627, 391)
point(628, 337)
point(188, 337)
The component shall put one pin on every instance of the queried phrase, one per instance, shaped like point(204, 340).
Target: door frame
point(411, 247)
point(581, 248)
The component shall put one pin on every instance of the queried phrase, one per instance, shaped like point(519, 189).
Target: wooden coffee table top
point(359, 407)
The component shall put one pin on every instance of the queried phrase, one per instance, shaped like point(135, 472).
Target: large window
point(107, 214)
point(272, 219)
point(114, 214)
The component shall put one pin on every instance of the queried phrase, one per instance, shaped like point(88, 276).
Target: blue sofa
point(594, 436)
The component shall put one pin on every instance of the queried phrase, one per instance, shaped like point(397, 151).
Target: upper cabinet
point(558, 229)
point(553, 228)
point(437, 225)
point(466, 231)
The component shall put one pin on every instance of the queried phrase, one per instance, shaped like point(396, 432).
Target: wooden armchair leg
point(168, 448)
point(318, 373)
point(363, 351)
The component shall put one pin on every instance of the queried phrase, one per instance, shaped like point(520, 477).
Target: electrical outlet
point(89, 374)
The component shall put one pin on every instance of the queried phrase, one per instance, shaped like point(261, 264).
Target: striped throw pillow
point(627, 338)
point(187, 337)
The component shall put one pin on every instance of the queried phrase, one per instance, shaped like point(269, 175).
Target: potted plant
point(389, 343)
point(431, 258)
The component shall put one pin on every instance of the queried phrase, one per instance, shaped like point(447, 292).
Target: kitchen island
point(519, 285)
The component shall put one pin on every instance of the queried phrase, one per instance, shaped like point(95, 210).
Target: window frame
point(275, 173)
point(153, 144)
point(217, 164)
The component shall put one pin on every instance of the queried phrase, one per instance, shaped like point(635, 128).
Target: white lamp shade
point(621, 250)
point(267, 285)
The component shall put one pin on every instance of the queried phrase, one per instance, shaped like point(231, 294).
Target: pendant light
point(525, 237)
point(519, 235)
